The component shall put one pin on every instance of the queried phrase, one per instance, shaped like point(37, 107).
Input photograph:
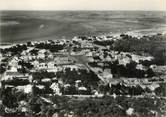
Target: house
point(71, 66)
point(41, 54)
point(153, 86)
point(23, 53)
point(55, 87)
point(108, 58)
point(40, 86)
point(50, 56)
point(82, 88)
point(77, 83)
point(14, 62)
point(51, 65)
point(9, 74)
point(63, 61)
point(107, 75)
point(35, 63)
point(53, 70)
point(42, 65)
point(89, 54)
point(140, 67)
point(90, 59)
point(124, 61)
point(46, 80)
point(25, 89)
point(137, 58)
point(1, 56)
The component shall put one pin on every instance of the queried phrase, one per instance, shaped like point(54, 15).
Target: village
point(82, 66)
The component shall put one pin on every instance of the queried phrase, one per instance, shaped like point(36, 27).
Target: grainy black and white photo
point(82, 58)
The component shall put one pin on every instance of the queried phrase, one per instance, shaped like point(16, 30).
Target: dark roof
point(13, 73)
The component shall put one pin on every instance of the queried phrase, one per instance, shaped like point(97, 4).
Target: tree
point(8, 98)
point(2, 68)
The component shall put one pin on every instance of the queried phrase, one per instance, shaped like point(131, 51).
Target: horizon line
point(79, 10)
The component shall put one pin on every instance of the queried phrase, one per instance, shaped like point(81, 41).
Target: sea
point(24, 26)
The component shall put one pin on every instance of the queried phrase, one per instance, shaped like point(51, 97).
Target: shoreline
point(134, 33)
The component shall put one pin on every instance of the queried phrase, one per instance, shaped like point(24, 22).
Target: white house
point(46, 80)
point(55, 88)
point(42, 66)
point(82, 88)
point(25, 89)
point(51, 64)
point(89, 54)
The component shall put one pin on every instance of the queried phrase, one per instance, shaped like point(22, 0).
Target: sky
point(147, 5)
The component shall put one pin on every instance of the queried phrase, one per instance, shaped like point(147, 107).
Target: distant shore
point(5, 45)
point(134, 33)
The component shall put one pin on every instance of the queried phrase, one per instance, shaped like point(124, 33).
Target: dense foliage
point(14, 50)
point(43, 74)
point(153, 45)
point(51, 47)
point(69, 76)
point(129, 70)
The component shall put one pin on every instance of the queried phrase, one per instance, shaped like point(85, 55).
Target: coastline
point(135, 33)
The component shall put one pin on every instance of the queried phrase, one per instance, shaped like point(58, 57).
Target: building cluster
point(93, 53)
point(61, 67)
